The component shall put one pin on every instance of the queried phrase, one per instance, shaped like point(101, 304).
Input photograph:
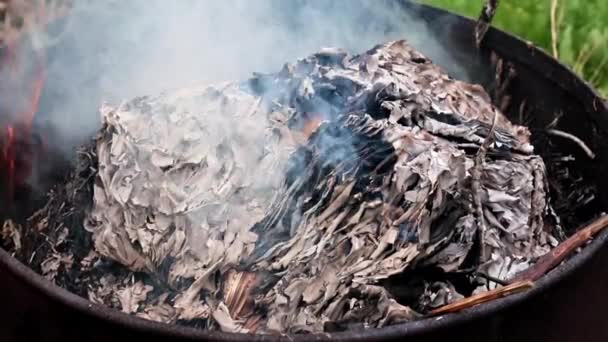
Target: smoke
point(115, 50)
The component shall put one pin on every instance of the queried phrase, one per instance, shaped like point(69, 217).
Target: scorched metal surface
point(565, 305)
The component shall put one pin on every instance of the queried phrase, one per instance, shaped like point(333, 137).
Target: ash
point(338, 193)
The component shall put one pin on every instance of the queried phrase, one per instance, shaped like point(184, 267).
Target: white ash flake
point(87, 262)
point(11, 232)
point(131, 296)
point(51, 265)
point(161, 311)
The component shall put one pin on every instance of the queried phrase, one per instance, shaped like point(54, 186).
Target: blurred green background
point(576, 31)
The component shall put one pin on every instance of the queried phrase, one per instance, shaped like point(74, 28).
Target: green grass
point(582, 33)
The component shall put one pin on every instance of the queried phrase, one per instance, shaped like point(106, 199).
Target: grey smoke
point(115, 50)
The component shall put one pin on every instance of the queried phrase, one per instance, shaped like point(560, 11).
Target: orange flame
point(16, 173)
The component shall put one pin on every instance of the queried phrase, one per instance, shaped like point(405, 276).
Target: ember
point(314, 199)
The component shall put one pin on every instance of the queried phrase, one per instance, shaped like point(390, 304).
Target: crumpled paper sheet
point(189, 178)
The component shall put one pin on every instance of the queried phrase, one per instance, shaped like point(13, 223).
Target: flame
point(16, 159)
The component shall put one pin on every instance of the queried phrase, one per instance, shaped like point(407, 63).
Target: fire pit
point(517, 84)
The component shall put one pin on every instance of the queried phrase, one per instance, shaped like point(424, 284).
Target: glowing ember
point(312, 124)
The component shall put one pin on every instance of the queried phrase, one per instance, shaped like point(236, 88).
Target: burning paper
point(283, 203)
